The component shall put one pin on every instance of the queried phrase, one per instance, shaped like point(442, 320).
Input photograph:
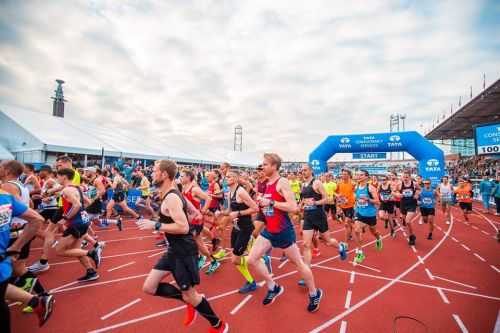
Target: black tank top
point(243, 220)
point(309, 192)
point(385, 194)
point(179, 244)
point(408, 192)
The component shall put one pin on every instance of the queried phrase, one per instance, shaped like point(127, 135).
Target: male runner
point(408, 191)
point(386, 209)
point(119, 187)
point(330, 189)
point(277, 202)
point(445, 194)
point(366, 213)
point(345, 201)
point(427, 205)
point(464, 197)
point(181, 258)
point(395, 183)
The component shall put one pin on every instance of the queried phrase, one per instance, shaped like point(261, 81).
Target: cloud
point(290, 73)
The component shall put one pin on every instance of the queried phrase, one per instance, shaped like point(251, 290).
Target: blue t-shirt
point(9, 207)
point(363, 206)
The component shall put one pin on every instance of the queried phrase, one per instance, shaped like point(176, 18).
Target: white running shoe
point(38, 267)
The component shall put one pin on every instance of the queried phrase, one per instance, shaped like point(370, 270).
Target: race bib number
point(5, 215)
point(407, 193)
point(427, 201)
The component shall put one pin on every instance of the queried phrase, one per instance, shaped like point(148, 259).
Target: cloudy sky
point(290, 72)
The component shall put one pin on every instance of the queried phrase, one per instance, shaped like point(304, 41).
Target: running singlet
point(363, 205)
point(179, 244)
point(188, 194)
point(25, 199)
point(276, 220)
point(463, 194)
point(10, 207)
point(145, 187)
point(214, 202)
point(427, 199)
point(385, 194)
point(345, 197)
point(307, 193)
point(295, 186)
point(243, 221)
point(408, 193)
point(81, 217)
point(445, 192)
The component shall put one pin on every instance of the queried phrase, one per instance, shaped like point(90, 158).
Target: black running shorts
point(77, 231)
point(240, 239)
point(387, 206)
point(427, 211)
point(467, 206)
point(315, 220)
point(183, 268)
point(368, 220)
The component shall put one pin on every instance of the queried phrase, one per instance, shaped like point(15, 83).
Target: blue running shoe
point(301, 283)
point(314, 301)
point(248, 287)
point(273, 294)
point(343, 251)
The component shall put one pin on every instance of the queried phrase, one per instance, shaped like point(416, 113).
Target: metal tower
point(395, 121)
point(238, 138)
point(58, 105)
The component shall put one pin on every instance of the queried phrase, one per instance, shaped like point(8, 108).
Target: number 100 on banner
point(488, 139)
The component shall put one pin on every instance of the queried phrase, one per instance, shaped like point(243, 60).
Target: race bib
point(427, 201)
point(407, 193)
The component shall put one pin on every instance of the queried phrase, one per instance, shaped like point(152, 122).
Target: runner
point(277, 202)
point(181, 257)
point(119, 187)
point(464, 197)
point(240, 211)
point(11, 207)
point(144, 186)
point(386, 209)
point(366, 214)
point(77, 223)
point(345, 201)
point(32, 183)
point(409, 192)
point(315, 220)
point(427, 205)
point(216, 195)
point(330, 189)
point(395, 184)
point(445, 194)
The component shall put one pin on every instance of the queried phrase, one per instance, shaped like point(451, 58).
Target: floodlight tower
point(238, 138)
point(395, 120)
point(58, 105)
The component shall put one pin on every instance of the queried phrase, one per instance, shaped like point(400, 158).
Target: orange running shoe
point(191, 315)
point(223, 328)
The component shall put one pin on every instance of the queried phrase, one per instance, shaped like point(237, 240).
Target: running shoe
point(96, 255)
point(343, 251)
point(360, 256)
point(315, 300)
point(44, 308)
point(220, 254)
point(429, 237)
point(214, 265)
point(273, 294)
point(248, 287)
point(267, 262)
point(447, 222)
point(411, 240)
point(301, 283)
point(119, 224)
point(378, 244)
point(91, 275)
point(316, 252)
point(38, 267)
point(29, 284)
point(283, 257)
point(223, 328)
point(27, 309)
point(201, 261)
point(191, 315)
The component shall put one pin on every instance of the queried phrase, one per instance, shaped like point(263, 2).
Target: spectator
point(495, 192)
point(485, 189)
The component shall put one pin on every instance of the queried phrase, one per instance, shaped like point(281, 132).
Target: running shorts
point(282, 240)
point(315, 220)
point(183, 268)
point(368, 220)
point(467, 206)
point(77, 231)
point(427, 211)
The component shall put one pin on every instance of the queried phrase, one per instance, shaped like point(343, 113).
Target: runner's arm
point(375, 198)
point(247, 200)
point(318, 186)
point(198, 193)
point(290, 204)
point(71, 194)
point(34, 219)
point(12, 189)
point(173, 204)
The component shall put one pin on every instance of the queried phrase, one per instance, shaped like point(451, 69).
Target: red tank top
point(189, 196)
point(214, 202)
point(280, 220)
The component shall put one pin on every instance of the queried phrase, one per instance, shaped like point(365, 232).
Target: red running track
point(449, 284)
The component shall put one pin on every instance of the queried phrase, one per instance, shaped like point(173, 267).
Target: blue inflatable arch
point(430, 158)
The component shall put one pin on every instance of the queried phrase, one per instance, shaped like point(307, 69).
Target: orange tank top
point(345, 197)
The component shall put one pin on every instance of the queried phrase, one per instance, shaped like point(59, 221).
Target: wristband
point(157, 226)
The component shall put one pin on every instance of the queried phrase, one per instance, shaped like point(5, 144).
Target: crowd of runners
point(189, 209)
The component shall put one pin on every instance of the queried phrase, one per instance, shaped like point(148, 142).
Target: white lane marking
point(348, 299)
point(343, 326)
point(283, 264)
point(489, 221)
point(120, 309)
point(439, 227)
point(414, 249)
point(105, 257)
point(474, 227)
point(63, 286)
point(108, 241)
point(420, 259)
point(465, 247)
point(460, 323)
point(351, 279)
point(455, 282)
point(479, 257)
point(429, 274)
point(128, 228)
point(496, 269)
point(497, 324)
point(367, 267)
point(484, 232)
point(332, 321)
point(156, 254)
point(240, 305)
point(404, 233)
point(424, 285)
point(443, 296)
point(121, 266)
point(454, 239)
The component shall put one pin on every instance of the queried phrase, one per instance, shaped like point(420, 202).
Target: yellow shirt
point(330, 188)
point(295, 185)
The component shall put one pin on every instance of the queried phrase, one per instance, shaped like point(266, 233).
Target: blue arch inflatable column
point(430, 158)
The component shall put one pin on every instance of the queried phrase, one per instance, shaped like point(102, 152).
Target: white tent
point(5, 154)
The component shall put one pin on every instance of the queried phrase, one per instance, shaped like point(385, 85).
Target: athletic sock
point(243, 269)
point(206, 311)
point(33, 303)
point(169, 291)
point(44, 261)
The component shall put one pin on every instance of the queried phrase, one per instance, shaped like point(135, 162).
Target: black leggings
point(4, 309)
point(497, 203)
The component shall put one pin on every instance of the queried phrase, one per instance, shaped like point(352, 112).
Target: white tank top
point(25, 198)
point(52, 203)
point(445, 191)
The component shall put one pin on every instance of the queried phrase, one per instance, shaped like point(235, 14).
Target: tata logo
point(432, 165)
point(315, 163)
point(394, 138)
point(345, 140)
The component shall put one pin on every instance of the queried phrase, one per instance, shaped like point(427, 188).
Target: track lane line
point(120, 309)
point(460, 323)
point(240, 305)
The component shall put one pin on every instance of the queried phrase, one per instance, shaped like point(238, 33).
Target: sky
point(290, 72)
